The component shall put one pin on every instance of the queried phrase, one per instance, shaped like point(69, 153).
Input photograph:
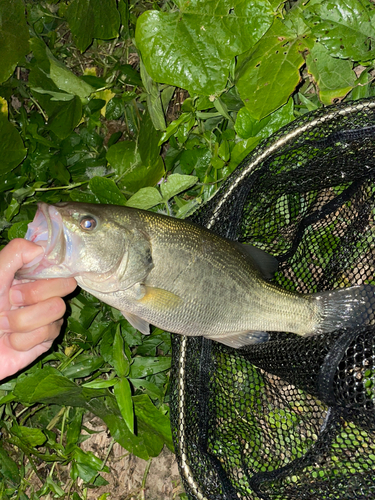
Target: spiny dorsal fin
point(265, 263)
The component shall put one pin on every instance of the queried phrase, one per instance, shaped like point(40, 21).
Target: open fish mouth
point(46, 230)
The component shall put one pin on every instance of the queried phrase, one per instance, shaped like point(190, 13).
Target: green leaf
point(147, 414)
point(18, 230)
point(175, 184)
point(14, 36)
point(145, 198)
point(334, 77)
point(125, 159)
point(12, 151)
point(246, 126)
point(120, 361)
point(107, 191)
point(197, 158)
point(143, 366)
point(124, 400)
point(203, 34)
point(66, 117)
point(345, 27)
point(29, 436)
point(84, 366)
point(90, 19)
point(8, 468)
point(269, 73)
point(48, 385)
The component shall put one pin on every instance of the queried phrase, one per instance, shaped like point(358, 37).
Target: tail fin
point(346, 308)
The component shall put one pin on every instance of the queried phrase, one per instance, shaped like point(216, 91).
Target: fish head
point(92, 243)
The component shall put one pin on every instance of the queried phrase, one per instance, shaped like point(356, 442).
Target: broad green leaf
point(192, 47)
point(8, 468)
point(84, 367)
point(334, 77)
point(18, 230)
point(125, 159)
point(29, 435)
point(106, 191)
point(50, 75)
point(74, 429)
point(143, 366)
point(90, 19)
point(345, 27)
point(14, 36)
point(66, 117)
point(175, 184)
point(49, 386)
point(145, 198)
point(123, 395)
point(12, 151)
point(246, 126)
point(147, 414)
point(153, 390)
point(66, 80)
point(197, 158)
point(269, 73)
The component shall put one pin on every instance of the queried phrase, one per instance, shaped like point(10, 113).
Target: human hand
point(31, 312)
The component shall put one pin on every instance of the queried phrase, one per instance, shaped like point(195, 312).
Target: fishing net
point(293, 418)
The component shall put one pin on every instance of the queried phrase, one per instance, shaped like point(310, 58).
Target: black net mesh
point(292, 418)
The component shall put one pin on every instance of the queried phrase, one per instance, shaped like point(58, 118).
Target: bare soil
point(130, 477)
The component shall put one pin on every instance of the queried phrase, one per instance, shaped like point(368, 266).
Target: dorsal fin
point(264, 262)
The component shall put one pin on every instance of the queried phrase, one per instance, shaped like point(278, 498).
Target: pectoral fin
point(241, 339)
point(159, 298)
point(138, 323)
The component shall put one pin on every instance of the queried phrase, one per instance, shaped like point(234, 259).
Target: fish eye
point(88, 223)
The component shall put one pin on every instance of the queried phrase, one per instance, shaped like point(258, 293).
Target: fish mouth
point(47, 231)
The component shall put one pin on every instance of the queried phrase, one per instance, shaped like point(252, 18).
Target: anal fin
point(241, 339)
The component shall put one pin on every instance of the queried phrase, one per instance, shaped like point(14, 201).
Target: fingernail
point(4, 323)
point(16, 297)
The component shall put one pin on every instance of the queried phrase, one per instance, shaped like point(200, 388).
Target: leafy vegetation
point(150, 105)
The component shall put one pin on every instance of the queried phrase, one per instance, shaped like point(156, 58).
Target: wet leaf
point(123, 395)
point(334, 77)
point(204, 34)
point(268, 73)
point(345, 27)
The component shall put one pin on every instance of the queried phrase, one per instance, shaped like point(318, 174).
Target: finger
point(26, 319)
point(12, 257)
point(38, 291)
point(44, 336)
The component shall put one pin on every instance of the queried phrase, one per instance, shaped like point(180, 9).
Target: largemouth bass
point(179, 276)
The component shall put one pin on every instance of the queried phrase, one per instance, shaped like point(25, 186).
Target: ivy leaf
point(269, 73)
point(335, 77)
point(345, 27)
point(192, 48)
point(14, 36)
point(89, 19)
